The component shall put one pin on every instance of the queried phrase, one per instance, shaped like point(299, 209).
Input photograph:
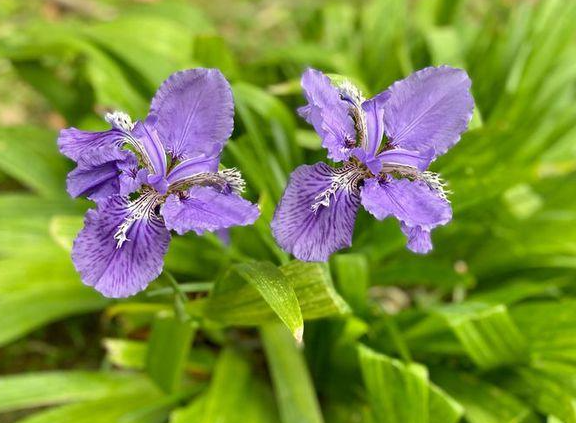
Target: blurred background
point(483, 330)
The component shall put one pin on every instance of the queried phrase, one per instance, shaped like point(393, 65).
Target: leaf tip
point(298, 334)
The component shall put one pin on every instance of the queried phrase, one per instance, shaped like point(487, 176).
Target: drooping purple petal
point(119, 271)
point(399, 156)
point(195, 112)
point(328, 114)
point(374, 114)
point(317, 212)
point(429, 109)
point(206, 209)
point(418, 207)
point(102, 172)
point(193, 166)
point(419, 240)
point(73, 142)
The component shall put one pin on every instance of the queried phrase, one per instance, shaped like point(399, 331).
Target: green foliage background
point(483, 330)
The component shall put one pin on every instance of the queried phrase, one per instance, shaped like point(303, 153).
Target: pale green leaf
point(292, 384)
point(168, 347)
point(50, 388)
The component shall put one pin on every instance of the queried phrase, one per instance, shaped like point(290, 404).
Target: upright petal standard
point(153, 176)
point(383, 146)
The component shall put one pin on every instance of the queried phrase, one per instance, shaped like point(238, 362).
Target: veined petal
point(417, 206)
point(146, 136)
point(102, 172)
point(73, 142)
point(401, 157)
point(193, 166)
point(207, 209)
point(317, 212)
point(374, 114)
point(419, 240)
point(328, 114)
point(429, 109)
point(121, 248)
point(195, 112)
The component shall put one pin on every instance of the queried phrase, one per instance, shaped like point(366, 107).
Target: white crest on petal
point(346, 177)
point(119, 120)
point(140, 208)
point(233, 178)
point(436, 183)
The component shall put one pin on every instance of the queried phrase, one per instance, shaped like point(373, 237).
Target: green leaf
point(212, 51)
point(442, 408)
point(487, 333)
point(548, 387)
point(292, 384)
point(235, 302)
point(41, 291)
point(168, 347)
point(126, 353)
point(278, 291)
point(483, 403)
point(30, 155)
point(352, 274)
point(143, 405)
point(397, 392)
point(170, 48)
point(549, 328)
point(314, 289)
point(30, 390)
point(64, 229)
point(234, 396)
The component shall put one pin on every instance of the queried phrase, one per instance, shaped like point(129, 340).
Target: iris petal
point(418, 207)
point(73, 142)
point(120, 269)
point(329, 115)
point(102, 172)
point(206, 209)
point(317, 212)
point(429, 109)
point(195, 112)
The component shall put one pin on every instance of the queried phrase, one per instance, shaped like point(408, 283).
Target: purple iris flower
point(384, 146)
point(153, 176)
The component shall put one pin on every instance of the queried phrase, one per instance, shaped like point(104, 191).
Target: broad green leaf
point(442, 408)
point(35, 293)
point(49, 388)
point(482, 402)
point(549, 328)
point(292, 384)
point(548, 391)
point(487, 333)
point(126, 353)
point(30, 155)
point(314, 289)
point(144, 404)
point(211, 51)
point(278, 291)
point(235, 302)
point(169, 49)
point(64, 229)
point(168, 347)
point(397, 392)
point(352, 274)
point(110, 84)
point(234, 396)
